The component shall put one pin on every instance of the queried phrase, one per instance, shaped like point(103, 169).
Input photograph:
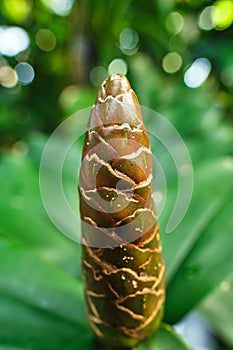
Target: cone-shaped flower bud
point(123, 269)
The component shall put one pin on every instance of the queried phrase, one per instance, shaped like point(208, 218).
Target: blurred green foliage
point(64, 49)
point(71, 48)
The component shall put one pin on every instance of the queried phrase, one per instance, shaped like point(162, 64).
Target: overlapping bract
point(122, 263)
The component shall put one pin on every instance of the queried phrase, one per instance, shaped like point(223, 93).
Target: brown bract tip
point(114, 85)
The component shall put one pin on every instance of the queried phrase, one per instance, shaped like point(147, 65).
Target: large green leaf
point(41, 307)
point(30, 328)
point(10, 347)
point(38, 283)
point(199, 251)
point(165, 338)
point(38, 233)
point(213, 186)
point(218, 309)
point(24, 218)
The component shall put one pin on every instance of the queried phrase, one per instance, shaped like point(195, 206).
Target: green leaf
point(206, 145)
point(42, 306)
point(10, 347)
point(165, 338)
point(209, 196)
point(199, 251)
point(40, 284)
point(30, 328)
point(29, 223)
point(218, 309)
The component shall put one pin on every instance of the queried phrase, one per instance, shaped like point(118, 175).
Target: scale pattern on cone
point(122, 263)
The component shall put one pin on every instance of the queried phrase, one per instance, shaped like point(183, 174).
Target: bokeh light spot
point(13, 40)
point(60, 7)
point(227, 76)
point(174, 22)
point(46, 40)
point(172, 62)
point(8, 77)
point(25, 73)
point(128, 40)
point(197, 73)
point(16, 10)
point(97, 75)
point(117, 66)
point(222, 14)
point(69, 95)
point(204, 20)
point(20, 148)
point(190, 31)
